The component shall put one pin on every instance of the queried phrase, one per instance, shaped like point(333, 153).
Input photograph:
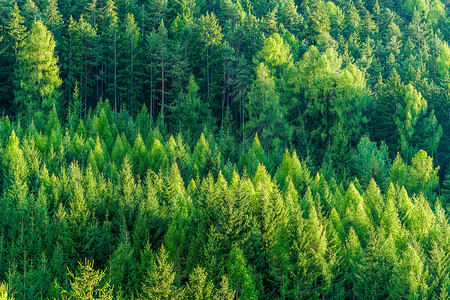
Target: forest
point(224, 149)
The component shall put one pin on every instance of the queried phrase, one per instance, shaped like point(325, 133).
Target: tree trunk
point(115, 71)
point(162, 88)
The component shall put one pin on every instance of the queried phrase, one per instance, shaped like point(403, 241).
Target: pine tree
point(53, 19)
point(86, 283)
point(16, 30)
point(409, 276)
point(225, 292)
point(157, 156)
point(241, 277)
point(109, 28)
point(139, 157)
point(210, 35)
point(193, 114)
point(37, 75)
point(438, 272)
point(371, 162)
point(31, 12)
point(75, 108)
point(266, 116)
point(158, 282)
point(4, 292)
point(129, 53)
point(198, 287)
point(376, 269)
point(422, 175)
point(351, 259)
point(445, 190)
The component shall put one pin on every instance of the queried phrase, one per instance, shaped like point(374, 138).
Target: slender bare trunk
point(162, 89)
point(115, 70)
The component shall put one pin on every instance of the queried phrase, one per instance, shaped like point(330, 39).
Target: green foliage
point(275, 53)
point(4, 291)
point(87, 283)
point(266, 116)
point(37, 75)
point(241, 278)
point(420, 177)
point(158, 282)
point(195, 182)
point(423, 175)
point(193, 113)
point(371, 162)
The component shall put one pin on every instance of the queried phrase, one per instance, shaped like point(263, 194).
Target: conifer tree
point(265, 112)
point(241, 278)
point(210, 35)
point(199, 287)
point(139, 156)
point(409, 276)
point(193, 114)
point(37, 75)
point(109, 28)
point(16, 30)
point(4, 292)
point(422, 175)
point(159, 280)
point(86, 283)
point(53, 19)
point(129, 53)
point(371, 162)
point(31, 12)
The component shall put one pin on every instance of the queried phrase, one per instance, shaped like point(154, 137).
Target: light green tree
point(86, 284)
point(158, 284)
point(4, 292)
point(241, 277)
point(266, 115)
point(37, 74)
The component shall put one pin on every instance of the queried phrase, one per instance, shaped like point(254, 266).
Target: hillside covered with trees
point(224, 149)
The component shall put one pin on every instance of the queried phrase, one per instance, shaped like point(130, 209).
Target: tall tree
point(37, 75)
point(162, 62)
point(11, 43)
point(266, 116)
point(159, 281)
point(16, 30)
point(402, 119)
point(86, 283)
point(53, 19)
point(109, 37)
point(129, 53)
point(210, 35)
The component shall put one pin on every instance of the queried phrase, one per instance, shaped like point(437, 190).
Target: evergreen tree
point(86, 283)
point(53, 19)
point(198, 287)
point(109, 27)
point(371, 162)
point(241, 278)
point(409, 276)
point(16, 30)
point(158, 282)
point(265, 112)
point(4, 292)
point(37, 75)
point(129, 52)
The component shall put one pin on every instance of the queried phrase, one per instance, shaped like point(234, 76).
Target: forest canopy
point(224, 149)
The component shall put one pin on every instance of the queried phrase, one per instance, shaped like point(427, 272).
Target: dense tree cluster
point(224, 149)
point(116, 208)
